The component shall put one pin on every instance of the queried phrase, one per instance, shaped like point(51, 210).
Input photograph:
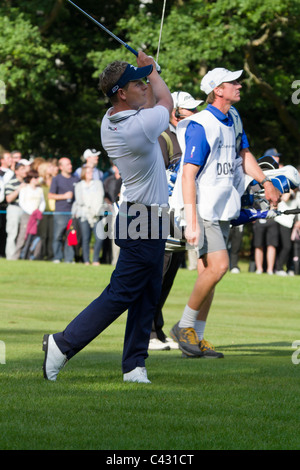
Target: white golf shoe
point(54, 359)
point(139, 375)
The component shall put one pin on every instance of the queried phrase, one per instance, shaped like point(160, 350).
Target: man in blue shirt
point(196, 138)
point(214, 147)
point(62, 191)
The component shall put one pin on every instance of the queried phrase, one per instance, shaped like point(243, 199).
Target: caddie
point(215, 149)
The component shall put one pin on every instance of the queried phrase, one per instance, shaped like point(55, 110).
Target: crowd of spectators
point(39, 198)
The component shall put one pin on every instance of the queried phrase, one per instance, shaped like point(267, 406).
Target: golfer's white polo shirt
point(131, 141)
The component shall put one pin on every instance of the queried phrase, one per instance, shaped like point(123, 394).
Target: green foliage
point(51, 57)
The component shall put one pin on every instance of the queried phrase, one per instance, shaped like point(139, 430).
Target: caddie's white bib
point(217, 199)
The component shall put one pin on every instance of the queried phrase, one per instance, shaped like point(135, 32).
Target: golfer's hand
point(272, 194)
point(192, 234)
point(144, 59)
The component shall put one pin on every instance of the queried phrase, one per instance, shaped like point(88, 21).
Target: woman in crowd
point(45, 229)
point(31, 199)
point(88, 206)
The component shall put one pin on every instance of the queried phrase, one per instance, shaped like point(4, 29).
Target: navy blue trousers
point(135, 285)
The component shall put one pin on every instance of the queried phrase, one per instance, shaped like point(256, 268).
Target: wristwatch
point(265, 180)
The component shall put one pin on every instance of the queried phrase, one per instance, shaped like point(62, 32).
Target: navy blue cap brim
point(130, 74)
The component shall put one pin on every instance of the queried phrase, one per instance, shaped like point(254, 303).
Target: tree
point(51, 57)
point(260, 37)
point(52, 104)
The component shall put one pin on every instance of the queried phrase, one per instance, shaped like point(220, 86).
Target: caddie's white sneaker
point(54, 358)
point(139, 375)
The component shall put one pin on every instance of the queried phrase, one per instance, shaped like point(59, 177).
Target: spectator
point(45, 228)
point(91, 159)
point(265, 242)
point(2, 196)
point(5, 169)
point(285, 226)
point(273, 153)
point(14, 212)
point(112, 188)
point(62, 191)
point(266, 235)
point(16, 157)
point(112, 185)
point(55, 168)
point(37, 162)
point(88, 205)
point(31, 198)
point(5, 174)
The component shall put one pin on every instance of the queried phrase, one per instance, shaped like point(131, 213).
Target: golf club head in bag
point(284, 179)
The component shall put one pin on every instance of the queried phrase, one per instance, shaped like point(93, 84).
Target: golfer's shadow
point(257, 349)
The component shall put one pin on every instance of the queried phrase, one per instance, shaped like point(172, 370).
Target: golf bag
point(254, 205)
point(253, 202)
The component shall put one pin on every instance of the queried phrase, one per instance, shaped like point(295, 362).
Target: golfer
point(130, 136)
point(214, 145)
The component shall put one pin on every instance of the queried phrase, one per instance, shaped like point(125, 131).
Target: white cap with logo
point(184, 100)
point(215, 77)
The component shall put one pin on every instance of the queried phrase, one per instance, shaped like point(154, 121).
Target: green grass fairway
point(248, 400)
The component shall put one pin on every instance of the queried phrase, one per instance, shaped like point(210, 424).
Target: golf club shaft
point(105, 29)
point(291, 211)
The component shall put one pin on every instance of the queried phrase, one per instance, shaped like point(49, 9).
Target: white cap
point(184, 100)
point(215, 77)
point(90, 153)
point(24, 162)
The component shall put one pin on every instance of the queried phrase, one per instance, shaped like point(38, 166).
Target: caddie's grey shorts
point(216, 236)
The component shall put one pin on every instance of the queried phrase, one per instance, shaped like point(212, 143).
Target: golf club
point(288, 212)
point(105, 29)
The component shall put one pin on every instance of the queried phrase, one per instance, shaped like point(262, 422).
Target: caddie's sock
point(199, 328)
point(188, 317)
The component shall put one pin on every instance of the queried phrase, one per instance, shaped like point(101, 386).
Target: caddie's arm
point(252, 169)
point(192, 231)
point(161, 93)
